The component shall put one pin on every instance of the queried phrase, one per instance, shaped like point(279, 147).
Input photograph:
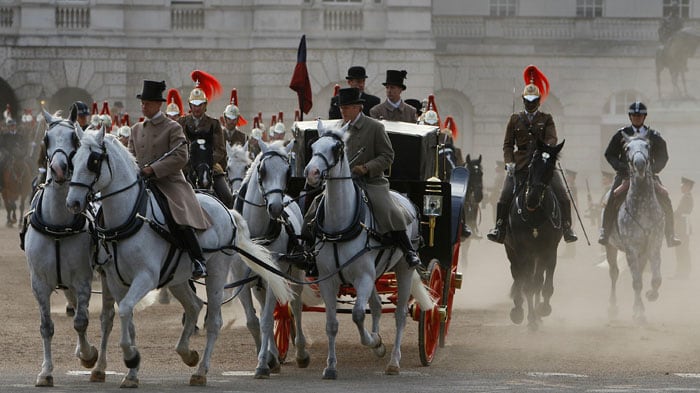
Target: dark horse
point(475, 194)
point(532, 236)
point(674, 56)
point(17, 180)
point(199, 172)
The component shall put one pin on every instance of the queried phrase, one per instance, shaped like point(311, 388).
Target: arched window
point(8, 97)
point(617, 103)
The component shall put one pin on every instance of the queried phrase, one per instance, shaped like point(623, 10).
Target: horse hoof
point(198, 380)
point(90, 362)
point(44, 382)
point(274, 365)
point(192, 359)
point(652, 295)
point(392, 370)
point(379, 350)
point(517, 315)
point(304, 362)
point(533, 326)
point(133, 362)
point(262, 373)
point(544, 309)
point(70, 311)
point(129, 382)
point(330, 373)
point(97, 376)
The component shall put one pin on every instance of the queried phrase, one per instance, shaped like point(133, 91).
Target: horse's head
point(327, 152)
point(540, 173)
point(237, 164)
point(90, 175)
point(274, 171)
point(200, 164)
point(61, 141)
point(476, 178)
point(637, 150)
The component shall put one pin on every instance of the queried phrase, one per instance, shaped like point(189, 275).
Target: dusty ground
point(577, 338)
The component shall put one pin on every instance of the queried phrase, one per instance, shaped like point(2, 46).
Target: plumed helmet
point(531, 92)
point(95, 121)
point(106, 121)
point(536, 84)
point(207, 87)
point(279, 128)
point(174, 101)
point(124, 131)
point(256, 133)
point(430, 118)
point(637, 107)
point(10, 121)
point(172, 109)
point(231, 111)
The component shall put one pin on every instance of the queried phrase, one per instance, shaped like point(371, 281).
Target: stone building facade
point(598, 54)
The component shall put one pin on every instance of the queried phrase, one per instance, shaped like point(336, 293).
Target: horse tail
point(276, 283)
point(420, 292)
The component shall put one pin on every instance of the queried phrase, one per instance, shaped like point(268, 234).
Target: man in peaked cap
point(683, 228)
point(394, 108)
point(150, 140)
point(357, 76)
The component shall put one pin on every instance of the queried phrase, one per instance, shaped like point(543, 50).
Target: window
point(589, 8)
point(503, 7)
point(683, 7)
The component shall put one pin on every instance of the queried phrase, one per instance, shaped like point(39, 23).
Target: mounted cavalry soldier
point(151, 142)
point(615, 154)
point(522, 131)
point(231, 120)
point(198, 126)
point(367, 139)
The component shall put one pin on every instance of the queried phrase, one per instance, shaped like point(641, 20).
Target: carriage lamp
point(432, 205)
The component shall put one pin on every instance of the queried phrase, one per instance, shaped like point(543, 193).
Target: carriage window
point(589, 8)
point(683, 8)
point(503, 7)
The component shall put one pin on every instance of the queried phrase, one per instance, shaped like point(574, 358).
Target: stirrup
point(569, 235)
point(496, 235)
point(199, 270)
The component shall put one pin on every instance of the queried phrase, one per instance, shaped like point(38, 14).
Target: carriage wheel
point(430, 320)
point(282, 329)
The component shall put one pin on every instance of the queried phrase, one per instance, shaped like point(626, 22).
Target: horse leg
point(614, 273)
point(191, 306)
point(403, 278)
point(42, 293)
point(217, 266)
point(529, 287)
point(655, 265)
point(636, 270)
point(516, 290)
point(84, 351)
point(550, 263)
point(329, 291)
point(252, 322)
point(364, 287)
point(106, 323)
point(303, 358)
point(262, 370)
point(140, 286)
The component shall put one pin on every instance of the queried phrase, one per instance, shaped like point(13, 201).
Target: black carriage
point(414, 174)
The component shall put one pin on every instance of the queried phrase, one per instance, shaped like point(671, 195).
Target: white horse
point(237, 165)
point(639, 230)
point(58, 249)
point(271, 217)
point(360, 257)
point(137, 261)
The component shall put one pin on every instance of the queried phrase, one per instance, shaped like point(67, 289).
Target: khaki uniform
point(235, 136)
point(521, 131)
point(207, 125)
point(386, 111)
point(149, 141)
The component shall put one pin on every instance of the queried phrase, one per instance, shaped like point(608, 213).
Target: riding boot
point(223, 191)
point(607, 223)
point(189, 238)
point(567, 231)
point(498, 233)
point(401, 239)
point(669, 230)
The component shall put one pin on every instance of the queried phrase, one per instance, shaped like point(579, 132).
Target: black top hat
point(152, 91)
point(685, 180)
point(356, 72)
point(349, 96)
point(395, 78)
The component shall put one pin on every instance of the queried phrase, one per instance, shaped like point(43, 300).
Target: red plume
point(256, 122)
point(433, 106)
point(125, 120)
point(336, 90)
point(279, 117)
point(94, 108)
point(297, 114)
point(209, 85)
point(452, 126)
point(174, 96)
point(141, 119)
point(234, 97)
point(533, 75)
point(273, 121)
point(105, 109)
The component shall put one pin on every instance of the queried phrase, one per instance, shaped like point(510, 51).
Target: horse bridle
point(338, 153)
point(262, 171)
point(74, 140)
point(94, 165)
point(545, 186)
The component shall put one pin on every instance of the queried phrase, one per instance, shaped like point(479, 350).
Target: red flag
point(300, 79)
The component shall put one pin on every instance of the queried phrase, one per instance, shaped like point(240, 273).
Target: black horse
point(674, 55)
point(475, 194)
point(199, 169)
point(532, 236)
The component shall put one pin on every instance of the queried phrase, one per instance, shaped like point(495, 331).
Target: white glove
point(510, 169)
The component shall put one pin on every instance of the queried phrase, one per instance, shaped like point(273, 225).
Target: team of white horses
point(130, 246)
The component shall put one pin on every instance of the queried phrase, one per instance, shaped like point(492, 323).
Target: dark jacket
point(615, 153)
point(370, 101)
point(521, 132)
point(208, 126)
